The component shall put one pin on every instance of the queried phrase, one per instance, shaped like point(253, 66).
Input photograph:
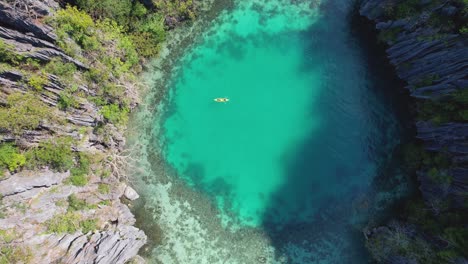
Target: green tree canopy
point(116, 10)
point(23, 111)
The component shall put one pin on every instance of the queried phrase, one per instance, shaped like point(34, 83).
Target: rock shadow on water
point(336, 217)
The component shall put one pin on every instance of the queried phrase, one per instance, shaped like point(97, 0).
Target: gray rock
point(116, 247)
point(131, 194)
point(419, 53)
point(450, 137)
point(9, 34)
point(449, 10)
point(35, 48)
point(434, 64)
point(455, 191)
point(27, 180)
point(32, 198)
point(18, 19)
point(13, 76)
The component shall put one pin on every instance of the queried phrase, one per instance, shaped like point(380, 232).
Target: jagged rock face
point(106, 247)
point(34, 47)
point(30, 199)
point(435, 192)
point(26, 181)
point(418, 51)
point(22, 16)
point(117, 242)
point(451, 137)
point(116, 246)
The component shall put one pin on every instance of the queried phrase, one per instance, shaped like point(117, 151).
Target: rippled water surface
point(293, 153)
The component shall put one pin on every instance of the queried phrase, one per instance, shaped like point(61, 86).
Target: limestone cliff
point(427, 44)
point(32, 200)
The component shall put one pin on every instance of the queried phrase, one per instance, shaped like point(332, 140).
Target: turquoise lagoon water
point(295, 150)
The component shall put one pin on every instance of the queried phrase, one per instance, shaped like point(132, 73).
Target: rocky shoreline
point(427, 45)
point(30, 199)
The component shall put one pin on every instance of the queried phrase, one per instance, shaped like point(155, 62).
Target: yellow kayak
point(221, 100)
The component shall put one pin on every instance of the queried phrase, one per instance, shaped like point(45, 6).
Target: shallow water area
point(282, 172)
point(238, 148)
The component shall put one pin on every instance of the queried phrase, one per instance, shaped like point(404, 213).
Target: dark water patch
point(335, 216)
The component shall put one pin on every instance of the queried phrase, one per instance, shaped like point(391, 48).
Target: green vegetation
point(79, 173)
point(427, 81)
point(439, 176)
point(119, 11)
point(78, 25)
point(115, 114)
point(10, 157)
point(105, 174)
point(105, 203)
point(76, 204)
point(413, 9)
point(416, 157)
point(407, 8)
point(92, 37)
point(177, 8)
point(66, 223)
point(23, 111)
point(88, 225)
point(461, 97)
point(78, 179)
point(56, 153)
point(37, 81)
point(61, 203)
point(70, 222)
point(31, 65)
point(402, 9)
point(446, 109)
point(144, 23)
point(449, 227)
point(7, 54)
point(15, 254)
point(10, 253)
point(398, 242)
point(110, 52)
point(66, 100)
point(6, 236)
point(65, 71)
point(104, 188)
point(110, 37)
point(388, 35)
